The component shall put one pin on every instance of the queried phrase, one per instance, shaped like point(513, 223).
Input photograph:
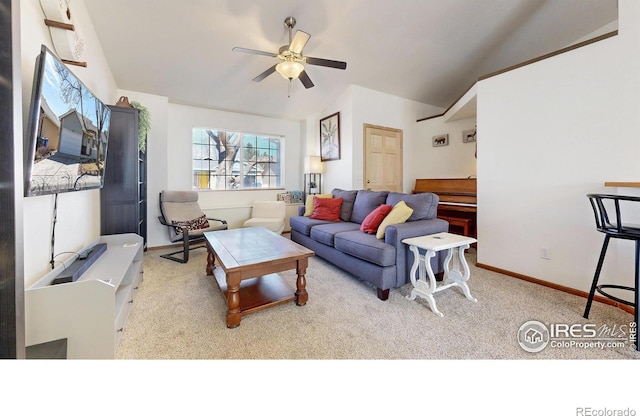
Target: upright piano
point(458, 201)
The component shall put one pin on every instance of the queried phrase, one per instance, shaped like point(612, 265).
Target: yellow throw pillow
point(308, 206)
point(399, 214)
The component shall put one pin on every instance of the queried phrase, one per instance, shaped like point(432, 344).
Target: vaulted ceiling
point(429, 51)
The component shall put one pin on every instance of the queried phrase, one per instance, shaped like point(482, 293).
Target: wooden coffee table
point(249, 259)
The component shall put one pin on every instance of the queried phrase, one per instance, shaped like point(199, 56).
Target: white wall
point(457, 160)
point(373, 107)
point(552, 132)
point(176, 168)
point(359, 106)
point(337, 173)
point(78, 222)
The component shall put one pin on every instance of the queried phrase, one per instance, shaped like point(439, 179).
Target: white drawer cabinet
point(91, 313)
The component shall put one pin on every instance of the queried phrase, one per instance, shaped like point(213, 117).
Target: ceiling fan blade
point(265, 74)
point(255, 52)
point(304, 78)
point(298, 42)
point(326, 62)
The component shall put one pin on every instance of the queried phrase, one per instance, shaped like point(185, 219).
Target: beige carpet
point(179, 313)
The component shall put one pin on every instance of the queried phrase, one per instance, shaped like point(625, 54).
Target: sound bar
point(81, 265)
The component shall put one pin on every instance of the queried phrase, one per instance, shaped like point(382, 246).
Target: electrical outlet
point(545, 253)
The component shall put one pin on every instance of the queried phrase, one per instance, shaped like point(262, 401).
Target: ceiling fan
point(291, 65)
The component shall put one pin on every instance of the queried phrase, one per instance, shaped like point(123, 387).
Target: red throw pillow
point(326, 208)
point(372, 221)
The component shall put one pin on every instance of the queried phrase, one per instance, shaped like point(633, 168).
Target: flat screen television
point(68, 132)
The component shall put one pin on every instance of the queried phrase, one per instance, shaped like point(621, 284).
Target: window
point(235, 160)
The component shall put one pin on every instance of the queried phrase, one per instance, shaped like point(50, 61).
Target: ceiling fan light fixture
point(289, 70)
point(292, 60)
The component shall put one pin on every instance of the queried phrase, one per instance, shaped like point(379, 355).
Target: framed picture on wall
point(469, 136)
point(440, 140)
point(330, 137)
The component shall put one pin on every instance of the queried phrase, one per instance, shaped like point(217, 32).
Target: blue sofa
point(385, 263)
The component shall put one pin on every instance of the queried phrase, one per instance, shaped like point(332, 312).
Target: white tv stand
point(91, 313)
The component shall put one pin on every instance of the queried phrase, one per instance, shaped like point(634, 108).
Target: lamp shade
point(289, 70)
point(312, 164)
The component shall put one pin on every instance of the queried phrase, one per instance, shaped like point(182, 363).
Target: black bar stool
point(607, 208)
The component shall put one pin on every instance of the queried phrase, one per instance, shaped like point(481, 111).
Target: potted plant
point(144, 125)
point(313, 188)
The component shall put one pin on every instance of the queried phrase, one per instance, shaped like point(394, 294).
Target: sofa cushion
point(304, 224)
point(366, 247)
point(348, 198)
point(367, 201)
point(372, 221)
point(325, 233)
point(308, 206)
point(326, 209)
point(399, 214)
point(424, 205)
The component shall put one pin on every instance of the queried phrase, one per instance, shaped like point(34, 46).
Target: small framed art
point(440, 140)
point(469, 136)
point(330, 137)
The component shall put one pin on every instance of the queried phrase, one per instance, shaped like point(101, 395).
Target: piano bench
point(465, 223)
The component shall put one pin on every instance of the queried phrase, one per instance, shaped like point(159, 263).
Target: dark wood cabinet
point(123, 198)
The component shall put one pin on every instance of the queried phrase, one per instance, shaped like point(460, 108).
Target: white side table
point(422, 264)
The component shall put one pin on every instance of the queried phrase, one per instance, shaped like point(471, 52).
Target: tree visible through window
point(235, 160)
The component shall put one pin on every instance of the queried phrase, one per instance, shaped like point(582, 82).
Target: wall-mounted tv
point(68, 132)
